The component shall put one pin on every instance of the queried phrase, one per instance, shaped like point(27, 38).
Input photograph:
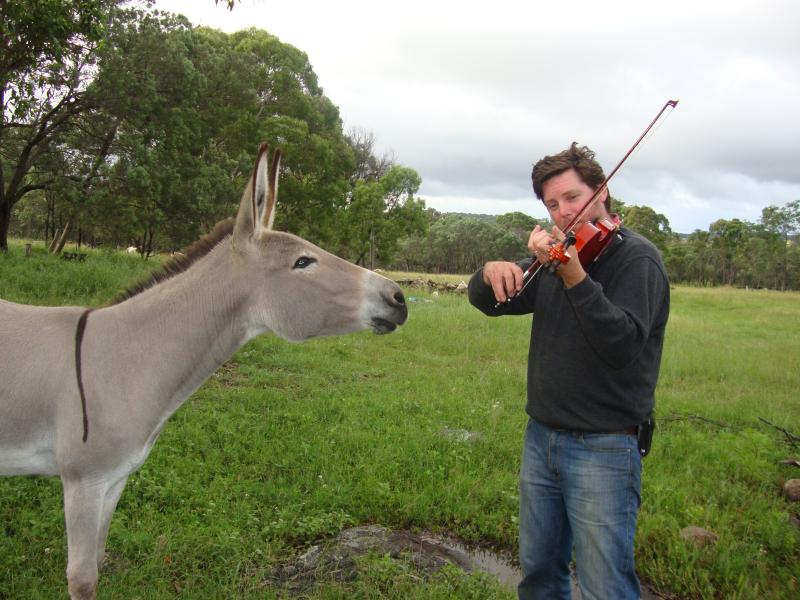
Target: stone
point(791, 489)
point(699, 536)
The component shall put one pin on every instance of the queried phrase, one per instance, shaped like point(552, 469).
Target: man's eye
point(303, 262)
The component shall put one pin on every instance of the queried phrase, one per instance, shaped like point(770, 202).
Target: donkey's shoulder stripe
point(78, 343)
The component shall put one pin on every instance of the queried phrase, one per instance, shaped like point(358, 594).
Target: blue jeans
point(582, 490)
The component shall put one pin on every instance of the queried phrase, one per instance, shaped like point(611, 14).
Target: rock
point(461, 288)
point(699, 536)
point(791, 489)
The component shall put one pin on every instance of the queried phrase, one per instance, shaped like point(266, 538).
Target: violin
point(590, 239)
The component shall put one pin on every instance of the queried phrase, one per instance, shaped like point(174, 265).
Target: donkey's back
point(37, 368)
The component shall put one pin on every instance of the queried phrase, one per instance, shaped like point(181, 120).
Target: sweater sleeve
point(617, 321)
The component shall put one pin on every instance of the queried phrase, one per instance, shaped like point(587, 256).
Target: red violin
point(590, 240)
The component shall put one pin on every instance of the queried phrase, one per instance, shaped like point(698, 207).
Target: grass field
point(288, 444)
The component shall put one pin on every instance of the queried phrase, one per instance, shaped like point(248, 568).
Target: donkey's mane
point(181, 262)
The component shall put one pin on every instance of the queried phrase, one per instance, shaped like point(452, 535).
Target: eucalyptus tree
point(457, 243)
point(378, 214)
point(519, 224)
point(780, 223)
point(47, 57)
point(727, 243)
point(368, 165)
point(652, 225)
point(190, 104)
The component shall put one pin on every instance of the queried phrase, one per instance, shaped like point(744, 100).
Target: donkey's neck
point(180, 331)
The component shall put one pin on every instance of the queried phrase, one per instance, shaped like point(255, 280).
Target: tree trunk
point(372, 249)
point(5, 221)
point(62, 240)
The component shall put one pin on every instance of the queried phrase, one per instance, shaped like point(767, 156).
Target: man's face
point(565, 194)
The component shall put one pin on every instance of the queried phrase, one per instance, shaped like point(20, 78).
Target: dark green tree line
point(732, 252)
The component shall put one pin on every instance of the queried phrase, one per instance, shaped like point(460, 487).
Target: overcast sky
point(470, 94)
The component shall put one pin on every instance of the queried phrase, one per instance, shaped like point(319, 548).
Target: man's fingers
point(505, 278)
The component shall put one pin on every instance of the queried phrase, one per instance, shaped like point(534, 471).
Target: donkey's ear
point(252, 208)
point(272, 190)
point(260, 189)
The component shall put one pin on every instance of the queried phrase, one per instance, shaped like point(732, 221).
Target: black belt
point(632, 430)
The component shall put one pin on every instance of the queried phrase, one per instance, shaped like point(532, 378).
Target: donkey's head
point(299, 290)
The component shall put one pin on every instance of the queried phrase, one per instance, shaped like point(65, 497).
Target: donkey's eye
point(303, 262)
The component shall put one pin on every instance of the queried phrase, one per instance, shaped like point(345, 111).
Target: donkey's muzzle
point(395, 312)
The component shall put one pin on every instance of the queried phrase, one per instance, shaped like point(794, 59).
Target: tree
point(727, 242)
point(368, 166)
point(779, 224)
point(647, 222)
point(518, 224)
point(378, 214)
point(47, 55)
point(459, 244)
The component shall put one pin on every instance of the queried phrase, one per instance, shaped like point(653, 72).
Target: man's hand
point(539, 243)
point(571, 272)
point(504, 277)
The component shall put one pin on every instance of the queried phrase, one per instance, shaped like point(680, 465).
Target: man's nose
point(565, 213)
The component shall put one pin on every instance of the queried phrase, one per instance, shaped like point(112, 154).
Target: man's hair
point(575, 157)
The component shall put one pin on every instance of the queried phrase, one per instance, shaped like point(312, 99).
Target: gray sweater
point(595, 349)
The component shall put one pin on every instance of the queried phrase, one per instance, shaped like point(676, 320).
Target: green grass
point(288, 444)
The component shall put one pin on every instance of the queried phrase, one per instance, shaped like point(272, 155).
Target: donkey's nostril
point(399, 298)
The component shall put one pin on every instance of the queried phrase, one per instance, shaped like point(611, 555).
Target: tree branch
point(791, 438)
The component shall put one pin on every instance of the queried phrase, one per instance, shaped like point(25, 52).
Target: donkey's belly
point(33, 457)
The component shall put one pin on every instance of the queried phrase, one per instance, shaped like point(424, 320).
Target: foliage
point(742, 254)
point(459, 244)
point(519, 224)
point(48, 57)
point(156, 132)
point(378, 213)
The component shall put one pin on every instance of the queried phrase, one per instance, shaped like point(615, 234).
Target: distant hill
point(481, 217)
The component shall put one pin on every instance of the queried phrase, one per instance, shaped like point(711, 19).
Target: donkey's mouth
point(381, 326)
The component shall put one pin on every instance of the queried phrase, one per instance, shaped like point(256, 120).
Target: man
point(593, 364)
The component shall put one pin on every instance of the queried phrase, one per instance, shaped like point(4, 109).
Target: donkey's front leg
point(83, 506)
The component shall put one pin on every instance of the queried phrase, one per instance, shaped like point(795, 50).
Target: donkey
point(85, 393)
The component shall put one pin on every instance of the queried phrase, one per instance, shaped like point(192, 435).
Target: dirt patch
point(336, 559)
